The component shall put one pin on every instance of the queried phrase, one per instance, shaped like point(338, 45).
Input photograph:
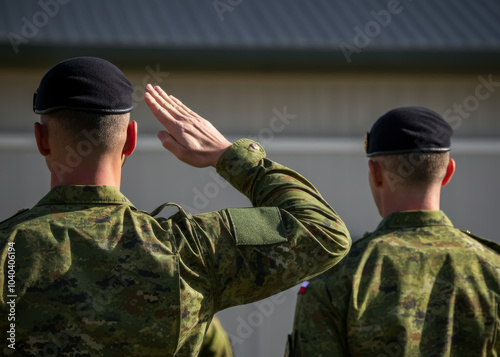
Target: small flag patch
point(303, 287)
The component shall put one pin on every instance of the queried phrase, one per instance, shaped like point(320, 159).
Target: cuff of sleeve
point(235, 163)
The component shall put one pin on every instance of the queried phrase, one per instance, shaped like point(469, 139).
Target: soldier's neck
point(411, 201)
point(101, 174)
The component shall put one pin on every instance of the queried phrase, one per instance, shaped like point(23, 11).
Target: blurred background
point(307, 79)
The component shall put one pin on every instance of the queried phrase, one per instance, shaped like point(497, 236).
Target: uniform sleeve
point(289, 236)
point(318, 327)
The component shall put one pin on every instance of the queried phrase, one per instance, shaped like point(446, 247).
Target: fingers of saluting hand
point(181, 106)
point(164, 109)
point(174, 105)
point(162, 106)
point(191, 138)
point(169, 99)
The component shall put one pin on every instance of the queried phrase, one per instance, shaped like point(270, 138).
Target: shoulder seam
point(21, 211)
point(485, 242)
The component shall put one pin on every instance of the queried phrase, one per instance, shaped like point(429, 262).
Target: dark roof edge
point(225, 59)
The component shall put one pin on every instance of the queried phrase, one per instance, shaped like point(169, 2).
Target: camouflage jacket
point(84, 273)
point(415, 287)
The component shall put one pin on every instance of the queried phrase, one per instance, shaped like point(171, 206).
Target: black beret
point(408, 129)
point(84, 84)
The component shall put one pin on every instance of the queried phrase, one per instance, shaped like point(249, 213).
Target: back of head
point(85, 100)
point(415, 170)
point(90, 134)
point(412, 145)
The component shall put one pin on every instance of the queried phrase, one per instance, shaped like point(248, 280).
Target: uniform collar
point(84, 195)
point(410, 219)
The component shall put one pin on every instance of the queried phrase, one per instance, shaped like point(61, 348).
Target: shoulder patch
point(257, 225)
point(303, 287)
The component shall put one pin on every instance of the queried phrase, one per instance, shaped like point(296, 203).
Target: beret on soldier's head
point(85, 84)
point(408, 129)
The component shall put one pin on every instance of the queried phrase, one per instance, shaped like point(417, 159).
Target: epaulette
point(490, 244)
point(15, 214)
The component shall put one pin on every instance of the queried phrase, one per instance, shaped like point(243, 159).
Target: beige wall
point(329, 104)
point(323, 141)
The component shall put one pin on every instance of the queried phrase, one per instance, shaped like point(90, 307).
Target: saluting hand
point(189, 137)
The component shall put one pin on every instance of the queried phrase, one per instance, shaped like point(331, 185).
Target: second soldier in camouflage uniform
point(416, 286)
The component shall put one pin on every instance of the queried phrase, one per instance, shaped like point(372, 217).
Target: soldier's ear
point(450, 170)
point(376, 173)
point(131, 141)
point(42, 138)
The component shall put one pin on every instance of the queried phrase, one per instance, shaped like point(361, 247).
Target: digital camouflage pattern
point(415, 287)
point(97, 277)
point(216, 342)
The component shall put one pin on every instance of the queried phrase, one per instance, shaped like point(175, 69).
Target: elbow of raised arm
point(340, 239)
point(334, 244)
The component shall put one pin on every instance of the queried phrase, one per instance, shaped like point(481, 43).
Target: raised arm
point(290, 235)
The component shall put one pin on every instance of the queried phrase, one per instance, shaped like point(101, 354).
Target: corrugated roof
point(344, 28)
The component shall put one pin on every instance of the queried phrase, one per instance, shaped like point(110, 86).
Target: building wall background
point(326, 117)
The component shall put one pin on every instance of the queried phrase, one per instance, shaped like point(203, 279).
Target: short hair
point(103, 131)
point(416, 169)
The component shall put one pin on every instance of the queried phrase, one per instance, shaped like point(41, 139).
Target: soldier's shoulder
point(173, 209)
point(483, 241)
point(359, 249)
point(370, 239)
point(314, 286)
point(362, 243)
point(364, 238)
point(171, 214)
point(14, 216)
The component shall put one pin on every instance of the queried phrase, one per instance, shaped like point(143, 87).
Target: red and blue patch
point(303, 287)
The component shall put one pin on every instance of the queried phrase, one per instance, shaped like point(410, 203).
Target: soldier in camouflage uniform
point(416, 286)
point(85, 273)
